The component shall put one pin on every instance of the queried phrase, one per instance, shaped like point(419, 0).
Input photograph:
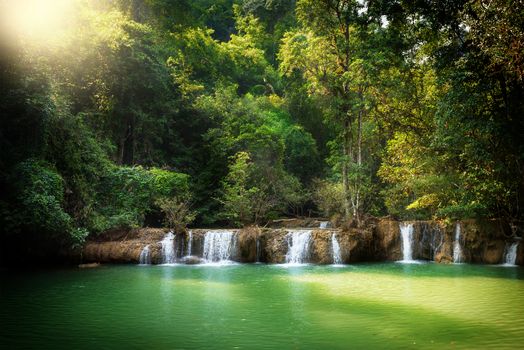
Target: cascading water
point(259, 250)
point(510, 254)
point(299, 242)
point(406, 232)
point(337, 256)
point(457, 249)
point(431, 241)
point(168, 248)
point(145, 256)
point(219, 246)
point(190, 243)
point(324, 224)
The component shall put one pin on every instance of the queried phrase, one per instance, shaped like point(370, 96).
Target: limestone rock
point(482, 241)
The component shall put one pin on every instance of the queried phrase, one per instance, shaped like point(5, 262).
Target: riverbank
point(469, 241)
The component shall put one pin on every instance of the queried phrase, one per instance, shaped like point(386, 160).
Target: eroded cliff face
point(388, 245)
point(485, 241)
point(274, 246)
point(480, 241)
point(124, 246)
point(380, 240)
point(355, 245)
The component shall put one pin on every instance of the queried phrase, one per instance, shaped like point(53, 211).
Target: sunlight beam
point(39, 20)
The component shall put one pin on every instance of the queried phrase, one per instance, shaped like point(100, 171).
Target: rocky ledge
point(484, 241)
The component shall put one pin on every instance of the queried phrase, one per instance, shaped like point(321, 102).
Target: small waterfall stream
point(219, 246)
point(190, 243)
point(324, 224)
point(510, 254)
point(168, 249)
point(457, 249)
point(259, 250)
point(337, 255)
point(145, 256)
point(406, 232)
point(298, 242)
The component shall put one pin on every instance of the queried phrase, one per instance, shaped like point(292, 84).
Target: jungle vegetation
point(125, 113)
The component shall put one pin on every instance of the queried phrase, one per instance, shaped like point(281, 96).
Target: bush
point(127, 194)
point(38, 198)
point(169, 183)
point(177, 212)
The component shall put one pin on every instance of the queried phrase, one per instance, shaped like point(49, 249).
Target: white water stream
point(324, 224)
point(337, 255)
point(457, 249)
point(145, 256)
point(299, 242)
point(190, 243)
point(510, 254)
point(406, 232)
point(168, 249)
point(219, 246)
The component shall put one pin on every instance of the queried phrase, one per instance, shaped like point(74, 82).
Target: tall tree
point(340, 50)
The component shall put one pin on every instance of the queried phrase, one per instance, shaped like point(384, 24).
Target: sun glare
point(35, 19)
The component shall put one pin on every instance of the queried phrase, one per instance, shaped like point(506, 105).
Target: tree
point(243, 203)
point(333, 51)
point(467, 95)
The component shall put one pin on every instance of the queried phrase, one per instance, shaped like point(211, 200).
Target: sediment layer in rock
point(380, 240)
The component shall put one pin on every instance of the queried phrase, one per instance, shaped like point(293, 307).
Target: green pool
point(426, 306)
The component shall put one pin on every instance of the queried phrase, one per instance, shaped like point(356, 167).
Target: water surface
point(422, 306)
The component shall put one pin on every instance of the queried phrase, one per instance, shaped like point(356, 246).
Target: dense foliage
point(146, 112)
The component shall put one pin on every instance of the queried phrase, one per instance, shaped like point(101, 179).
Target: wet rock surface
point(379, 240)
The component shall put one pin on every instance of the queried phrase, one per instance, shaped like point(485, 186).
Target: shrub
point(39, 197)
point(128, 194)
point(177, 212)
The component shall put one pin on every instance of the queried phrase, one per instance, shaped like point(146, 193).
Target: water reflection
point(260, 306)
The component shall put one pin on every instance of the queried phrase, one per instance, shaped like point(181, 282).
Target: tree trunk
point(345, 167)
point(359, 164)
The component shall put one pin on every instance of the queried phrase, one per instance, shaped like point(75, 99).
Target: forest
point(133, 113)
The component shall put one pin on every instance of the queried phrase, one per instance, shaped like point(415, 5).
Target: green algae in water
point(425, 306)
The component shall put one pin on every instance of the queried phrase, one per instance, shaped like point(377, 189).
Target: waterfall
point(510, 254)
point(406, 231)
point(219, 246)
point(298, 242)
point(259, 249)
point(324, 224)
point(457, 249)
point(190, 243)
point(145, 256)
point(337, 256)
point(168, 248)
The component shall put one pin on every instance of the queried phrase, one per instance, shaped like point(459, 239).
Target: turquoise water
point(426, 306)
